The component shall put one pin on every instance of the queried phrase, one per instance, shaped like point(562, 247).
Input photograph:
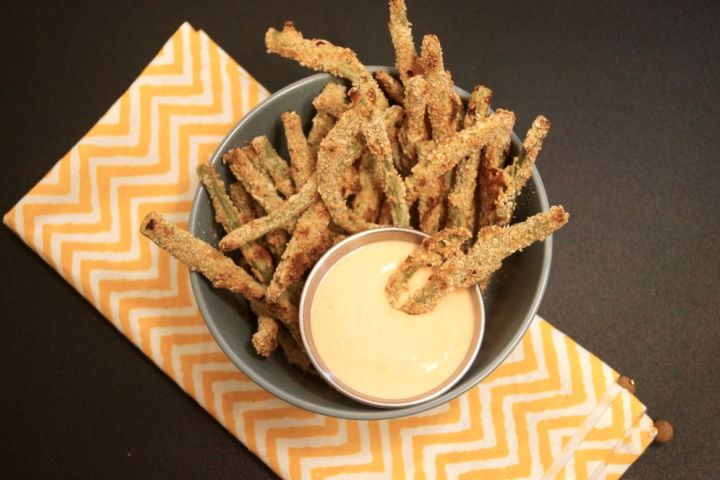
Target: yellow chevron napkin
point(552, 410)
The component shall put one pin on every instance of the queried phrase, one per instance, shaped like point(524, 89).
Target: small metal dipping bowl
point(316, 275)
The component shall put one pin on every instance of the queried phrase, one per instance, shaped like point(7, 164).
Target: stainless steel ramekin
point(316, 275)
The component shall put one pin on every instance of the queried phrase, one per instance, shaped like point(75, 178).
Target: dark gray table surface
point(632, 89)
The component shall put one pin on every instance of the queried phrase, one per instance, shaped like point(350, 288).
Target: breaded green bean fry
point(282, 309)
point(508, 240)
point(225, 212)
point(310, 240)
point(302, 159)
point(402, 40)
point(229, 217)
point(441, 104)
point(294, 352)
point(242, 202)
point(199, 256)
point(330, 104)
point(276, 239)
point(433, 251)
point(219, 269)
point(332, 100)
point(496, 151)
point(459, 108)
point(431, 207)
point(255, 181)
point(286, 215)
point(315, 53)
point(414, 130)
point(450, 151)
point(478, 105)
point(392, 88)
point(494, 244)
point(265, 338)
point(323, 56)
point(322, 123)
point(394, 117)
point(276, 167)
point(478, 108)
point(366, 203)
point(391, 181)
point(461, 199)
point(461, 203)
point(492, 183)
point(336, 155)
point(520, 170)
point(444, 110)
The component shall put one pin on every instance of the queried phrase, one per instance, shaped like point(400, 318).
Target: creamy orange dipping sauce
point(379, 351)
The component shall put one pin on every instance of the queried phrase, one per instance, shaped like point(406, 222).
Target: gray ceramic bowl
point(510, 302)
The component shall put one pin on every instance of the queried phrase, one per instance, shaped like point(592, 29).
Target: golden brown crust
point(430, 203)
point(323, 56)
point(314, 53)
point(275, 166)
point(242, 202)
point(442, 105)
point(393, 118)
point(286, 215)
point(322, 123)
point(276, 240)
point(492, 182)
point(366, 203)
point(461, 199)
point(310, 240)
point(226, 214)
point(302, 158)
point(392, 184)
point(265, 338)
point(332, 100)
point(337, 152)
point(458, 108)
point(329, 104)
point(255, 181)
point(199, 256)
point(494, 244)
point(444, 111)
point(432, 206)
point(449, 152)
point(518, 173)
point(478, 105)
point(414, 130)
point(283, 309)
point(392, 88)
point(402, 40)
point(433, 251)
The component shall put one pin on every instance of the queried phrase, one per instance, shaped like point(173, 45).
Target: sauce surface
point(375, 349)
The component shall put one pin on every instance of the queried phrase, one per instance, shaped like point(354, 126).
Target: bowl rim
point(376, 413)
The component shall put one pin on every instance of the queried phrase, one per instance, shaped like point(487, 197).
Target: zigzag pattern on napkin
point(527, 420)
point(83, 217)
